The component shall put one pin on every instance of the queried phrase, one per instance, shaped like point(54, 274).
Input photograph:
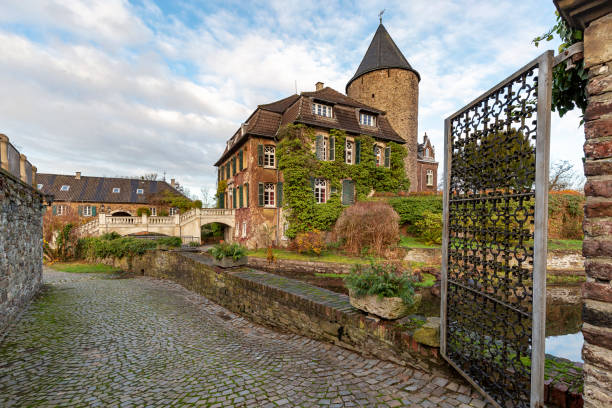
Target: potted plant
point(382, 290)
point(229, 255)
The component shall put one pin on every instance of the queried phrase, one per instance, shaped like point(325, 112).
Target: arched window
point(320, 190)
point(269, 157)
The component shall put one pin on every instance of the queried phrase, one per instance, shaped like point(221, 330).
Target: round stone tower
point(386, 81)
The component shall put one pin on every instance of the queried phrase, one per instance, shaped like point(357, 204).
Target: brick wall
point(597, 247)
point(20, 246)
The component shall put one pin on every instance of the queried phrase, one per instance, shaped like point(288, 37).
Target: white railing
point(160, 220)
point(123, 220)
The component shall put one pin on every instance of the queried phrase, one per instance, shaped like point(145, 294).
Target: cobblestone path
point(92, 340)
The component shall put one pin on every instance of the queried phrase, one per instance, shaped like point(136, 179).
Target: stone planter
point(229, 262)
point(387, 308)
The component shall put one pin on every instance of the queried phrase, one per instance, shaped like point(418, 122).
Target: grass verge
point(80, 267)
point(325, 256)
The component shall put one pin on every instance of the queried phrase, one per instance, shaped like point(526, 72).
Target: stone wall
point(597, 247)
point(20, 245)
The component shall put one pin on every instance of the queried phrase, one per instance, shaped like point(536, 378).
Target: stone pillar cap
point(3, 137)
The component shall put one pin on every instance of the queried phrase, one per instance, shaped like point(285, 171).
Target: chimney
point(319, 85)
point(78, 175)
point(172, 182)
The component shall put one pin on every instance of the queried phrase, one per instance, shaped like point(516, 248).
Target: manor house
point(381, 102)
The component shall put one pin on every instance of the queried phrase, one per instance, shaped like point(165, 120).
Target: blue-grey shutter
point(240, 159)
point(357, 151)
point(80, 210)
point(261, 194)
point(345, 192)
point(387, 157)
point(260, 155)
point(319, 147)
point(93, 211)
point(240, 199)
point(54, 209)
point(279, 194)
point(234, 196)
point(332, 148)
point(246, 186)
point(221, 200)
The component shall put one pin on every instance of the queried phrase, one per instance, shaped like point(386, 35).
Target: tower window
point(429, 174)
point(269, 156)
point(322, 110)
point(367, 119)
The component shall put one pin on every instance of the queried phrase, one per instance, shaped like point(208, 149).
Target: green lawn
point(79, 267)
point(326, 256)
point(569, 244)
point(412, 242)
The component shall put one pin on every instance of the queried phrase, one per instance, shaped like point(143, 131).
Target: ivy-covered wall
point(297, 160)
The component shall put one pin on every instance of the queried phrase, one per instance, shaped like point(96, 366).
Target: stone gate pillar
point(597, 247)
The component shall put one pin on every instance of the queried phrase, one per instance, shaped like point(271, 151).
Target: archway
point(214, 232)
point(121, 214)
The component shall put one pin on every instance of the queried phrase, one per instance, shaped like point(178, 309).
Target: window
point(65, 188)
point(244, 230)
point(320, 190)
point(321, 147)
point(39, 186)
point(321, 110)
point(60, 209)
point(153, 211)
point(116, 190)
point(427, 153)
point(285, 228)
point(173, 211)
point(348, 152)
point(87, 211)
point(269, 192)
point(269, 156)
point(139, 191)
point(378, 155)
point(429, 176)
point(367, 119)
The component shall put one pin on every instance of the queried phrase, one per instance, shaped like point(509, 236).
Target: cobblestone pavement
point(94, 340)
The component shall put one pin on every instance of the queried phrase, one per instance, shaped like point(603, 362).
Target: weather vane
point(380, 15)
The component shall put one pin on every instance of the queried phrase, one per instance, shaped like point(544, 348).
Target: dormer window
point(65, 188)
point(139, 191)
point(39, 186)
point(116, 190)
point(367, 119)
point(322, 110)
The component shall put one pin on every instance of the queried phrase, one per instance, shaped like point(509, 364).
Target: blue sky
point(114, 87)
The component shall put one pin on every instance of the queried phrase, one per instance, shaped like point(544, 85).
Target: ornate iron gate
point(495, 233)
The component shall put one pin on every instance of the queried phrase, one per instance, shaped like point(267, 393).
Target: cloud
point(125, 88)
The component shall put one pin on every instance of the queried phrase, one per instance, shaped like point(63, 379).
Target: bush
point(311, 242)
point(373, 225)
point(410, 209)
point(223, 250)
point(565, 214)
point(381, 280)
point(105, 247)
point(429, 227)
point(143, 210)
point(194, 244)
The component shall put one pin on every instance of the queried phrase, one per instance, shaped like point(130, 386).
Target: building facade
point(426, 166)
point(89, 196)
point(381, 103)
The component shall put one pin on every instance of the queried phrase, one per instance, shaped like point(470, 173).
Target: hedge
point(110, 246)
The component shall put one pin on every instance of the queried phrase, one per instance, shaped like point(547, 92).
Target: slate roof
point(382, 53)
point(100, 189)
point(267, 119)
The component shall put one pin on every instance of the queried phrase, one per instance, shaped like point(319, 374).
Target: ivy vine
point(569, 86)
point(298, 162)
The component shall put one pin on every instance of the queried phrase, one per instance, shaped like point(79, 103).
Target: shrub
point(106, 247)
point(410, 209)
point(565, 214)
point(194, 244)
point(143, 210)
point(371, 224)
point(429, 227)
point(380, 280)
point(223, 250)
point(310, 242)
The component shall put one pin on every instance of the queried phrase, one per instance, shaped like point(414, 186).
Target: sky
point(126, 88)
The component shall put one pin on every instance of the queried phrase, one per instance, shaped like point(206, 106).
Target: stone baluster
point(23, 176)
point(4, 163)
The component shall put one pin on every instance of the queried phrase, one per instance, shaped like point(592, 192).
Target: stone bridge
point(187, 225)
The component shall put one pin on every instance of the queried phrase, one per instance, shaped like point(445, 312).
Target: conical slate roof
point(382, 54)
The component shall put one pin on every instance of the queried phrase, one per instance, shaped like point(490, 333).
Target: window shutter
point(387, 157)
point(54, 209)
point(80, 210)
point(240, 196)
point(234, 166)
point(345, 192)
point(261, 194)
point(357, 151)
point(312, 181)
point(246, 186)
point(240, 157)
point(260, 158)
point(319, 147)
point(93, 211)
point(352, 192)
point(279, 194)
point(227, 175)
point(332, 148)
point(221, 200)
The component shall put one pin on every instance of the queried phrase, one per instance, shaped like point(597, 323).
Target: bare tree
point(563, 177)
point(149, 176)
point(208, 198)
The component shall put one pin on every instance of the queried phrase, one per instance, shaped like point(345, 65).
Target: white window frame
point(320, 190)
point(87, 211)
point(349, 151)
point(270, 195)
point(244, 229)
point(65, 188)
point(367, 119)
point(285, 228)
point(39, 186)
point(139, 191)
point(153, 211)
point(59, 209)
point(429, 176)
point(269, 156)
point(324, 144)
point(173, 211)
point(116, 190)
point(322, 110)
point(378, 155)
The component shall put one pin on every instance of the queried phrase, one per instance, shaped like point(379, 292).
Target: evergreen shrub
point(380, 280)
point(223, 250)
